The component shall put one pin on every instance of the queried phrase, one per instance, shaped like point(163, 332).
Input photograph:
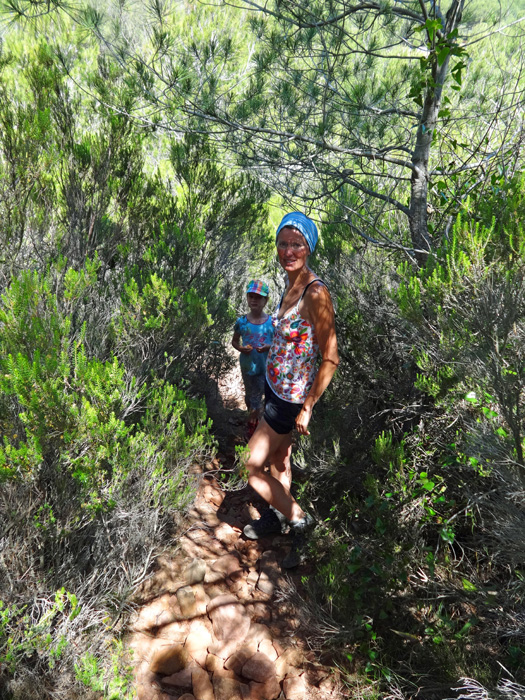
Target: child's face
point(256, 302)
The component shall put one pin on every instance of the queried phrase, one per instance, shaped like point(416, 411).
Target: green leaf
point(468, 585)
point(447, 534)
point(442, 55)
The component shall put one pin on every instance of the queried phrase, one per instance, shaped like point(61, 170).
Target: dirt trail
point(220, 626)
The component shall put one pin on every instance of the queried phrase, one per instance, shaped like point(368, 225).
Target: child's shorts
point(279, 414)
point(254, 390)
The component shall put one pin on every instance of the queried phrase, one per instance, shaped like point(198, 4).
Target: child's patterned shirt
point(255, 335)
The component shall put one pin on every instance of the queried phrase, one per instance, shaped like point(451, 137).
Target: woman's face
point(292, 249)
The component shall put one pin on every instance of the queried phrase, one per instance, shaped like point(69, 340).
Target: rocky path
point(223, 627)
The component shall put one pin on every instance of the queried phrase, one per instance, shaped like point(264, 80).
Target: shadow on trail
point(222, 621)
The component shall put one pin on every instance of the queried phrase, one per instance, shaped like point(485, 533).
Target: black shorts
point(279, 414)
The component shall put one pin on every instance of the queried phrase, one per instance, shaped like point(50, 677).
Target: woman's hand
point(302, 420)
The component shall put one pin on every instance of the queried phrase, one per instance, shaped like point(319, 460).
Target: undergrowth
point(95, 467)
point(415, 470)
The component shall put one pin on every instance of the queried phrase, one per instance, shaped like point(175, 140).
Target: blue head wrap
point(303, 224)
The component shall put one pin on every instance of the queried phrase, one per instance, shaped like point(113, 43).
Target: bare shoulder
point(318, 293)
point(318, 302)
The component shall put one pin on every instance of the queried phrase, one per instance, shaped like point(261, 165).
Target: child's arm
point(236, 342)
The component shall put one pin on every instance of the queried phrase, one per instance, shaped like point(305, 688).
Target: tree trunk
point(418, 217)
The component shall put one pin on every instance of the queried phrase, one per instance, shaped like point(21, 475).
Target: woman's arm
point(318, 308)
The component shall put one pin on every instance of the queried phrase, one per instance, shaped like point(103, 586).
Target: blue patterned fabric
point(255, 335)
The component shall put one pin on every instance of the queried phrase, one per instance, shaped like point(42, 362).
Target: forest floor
point(219, 619)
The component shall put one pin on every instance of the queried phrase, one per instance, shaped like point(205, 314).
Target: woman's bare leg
point(280, 465)
point(266, 444)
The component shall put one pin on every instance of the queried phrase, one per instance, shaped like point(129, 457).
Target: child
point(252, 337)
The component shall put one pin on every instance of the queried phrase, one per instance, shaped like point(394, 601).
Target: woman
point(304, 328)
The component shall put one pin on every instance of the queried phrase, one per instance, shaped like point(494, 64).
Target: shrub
point(95, 468)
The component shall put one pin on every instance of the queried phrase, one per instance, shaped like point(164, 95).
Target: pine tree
point(384, 116)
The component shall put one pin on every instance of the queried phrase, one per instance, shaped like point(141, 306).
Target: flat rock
point(233, 519)
point(213, 663)
point(198, 641)
point(291, 671)
point(195, 571)
point(258, 668)
point(227, 673)
point(265, 584)
point(161, 611)
point(221, 599)
point(270, 690)
point(192, 601)
point(279, 649)
point(239, 588)
point(203, 543)
point(291, 657)
point(270, 565)
point(143, 674)
point(213, 494)
point(182, 679)
point(213, 591)
point(175, 632)
point(147, 692)
point(142, 645)
point(210, 518)
point(294, 688)
point(229, 619)
point(253, 577)
point(258, 632)
point(248, 549)
point(224, 649)
point(237, 660)
point(315, 674)
point(146, 682)
point(259, 611)
point(226, 534)
point(168, 659)
point(204, 513)
point(202, 685)
point(227, 565)
point(267, 648)
point(269, 560)
point(328, 685)
point(227, 689)
point(270, 573)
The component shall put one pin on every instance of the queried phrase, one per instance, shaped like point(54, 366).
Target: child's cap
point(258, 287)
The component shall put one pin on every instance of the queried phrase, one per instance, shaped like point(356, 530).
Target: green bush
point(96, 468)
point(414, 464)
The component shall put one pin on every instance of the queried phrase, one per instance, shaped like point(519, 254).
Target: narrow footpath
point(223, 621)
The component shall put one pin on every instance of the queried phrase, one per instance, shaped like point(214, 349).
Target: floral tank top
point(292, 359)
